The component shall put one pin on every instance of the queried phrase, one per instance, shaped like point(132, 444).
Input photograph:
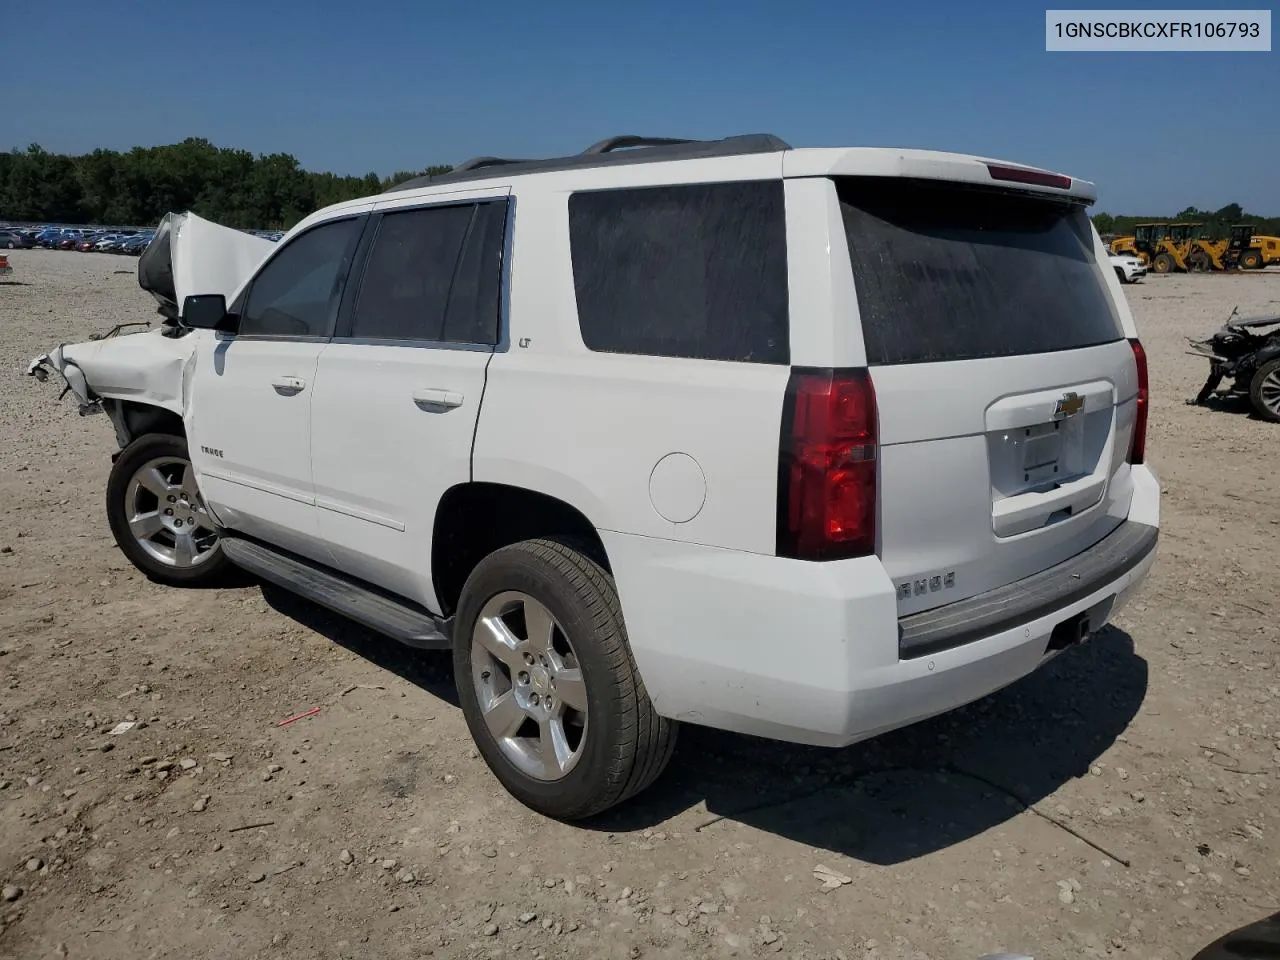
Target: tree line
point(138, 187)
point(1215, 224)
point(273, 192)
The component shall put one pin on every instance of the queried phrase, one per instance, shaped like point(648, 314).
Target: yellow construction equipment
point(1152, 244)
point(1269, 247)
point(1243, 249)
point(1203, 254)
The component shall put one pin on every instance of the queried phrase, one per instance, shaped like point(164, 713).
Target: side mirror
point(208, 311)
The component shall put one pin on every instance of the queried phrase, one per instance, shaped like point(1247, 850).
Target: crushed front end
point(1245, 352)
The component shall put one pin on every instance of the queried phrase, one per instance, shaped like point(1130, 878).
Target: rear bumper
point(810, 653)
point(1032, 598)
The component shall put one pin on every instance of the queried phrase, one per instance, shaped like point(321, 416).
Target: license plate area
point(1039, 457)
point(1041, 449)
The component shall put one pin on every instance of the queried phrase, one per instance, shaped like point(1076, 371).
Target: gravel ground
point(1118, 802)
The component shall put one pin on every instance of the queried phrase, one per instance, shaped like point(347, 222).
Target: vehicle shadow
point(1228, 403)
point(903, 795)
point(429, 670)
point(915, 791)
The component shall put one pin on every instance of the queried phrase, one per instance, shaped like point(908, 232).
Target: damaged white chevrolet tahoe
point(804, 443)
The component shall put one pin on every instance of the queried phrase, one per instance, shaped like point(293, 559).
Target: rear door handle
point(437, 398)
point(289, 384)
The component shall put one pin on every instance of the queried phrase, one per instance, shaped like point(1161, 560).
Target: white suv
point(804, 443)
point(1128, 268)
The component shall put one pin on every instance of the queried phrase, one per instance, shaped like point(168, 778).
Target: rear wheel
point(158, 517)
point(1251, 260)
point(1163, 263)
point(1199, 262)
point(1264, 391)
point(548, 686)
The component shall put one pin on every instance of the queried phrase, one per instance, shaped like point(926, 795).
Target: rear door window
point(948, 271)
point(696, 270)
point(432, 275)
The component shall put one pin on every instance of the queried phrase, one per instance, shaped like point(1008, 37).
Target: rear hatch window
point(949, 271)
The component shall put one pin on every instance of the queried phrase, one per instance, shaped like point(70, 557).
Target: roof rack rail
point(630, 140)
point(610, 152)
point(477, 163)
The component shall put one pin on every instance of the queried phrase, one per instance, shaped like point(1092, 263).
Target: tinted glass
point(683, 271)
point(410, 270)
point(472, 315)
point(297, 292)
point(953, 272)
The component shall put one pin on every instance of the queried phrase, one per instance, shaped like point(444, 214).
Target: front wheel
point(1120, 275)
point(158, 517)
point(548, 686)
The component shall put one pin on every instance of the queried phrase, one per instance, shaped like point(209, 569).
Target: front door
point(399, 388)
point(249, 414)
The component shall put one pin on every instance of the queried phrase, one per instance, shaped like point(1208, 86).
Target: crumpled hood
point(191, 255)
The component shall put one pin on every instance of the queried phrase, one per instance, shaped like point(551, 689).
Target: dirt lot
point(385, 836)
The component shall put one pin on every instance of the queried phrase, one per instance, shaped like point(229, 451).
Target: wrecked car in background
point(1248, 352)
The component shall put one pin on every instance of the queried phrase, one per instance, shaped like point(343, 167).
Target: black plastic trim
point(1030, 598)
point(367, 605)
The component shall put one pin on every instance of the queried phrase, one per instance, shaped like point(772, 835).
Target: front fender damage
point(148, 369)
point(151, 371)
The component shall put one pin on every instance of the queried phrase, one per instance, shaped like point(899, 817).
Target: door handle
point(289, 384)
point(437, 398)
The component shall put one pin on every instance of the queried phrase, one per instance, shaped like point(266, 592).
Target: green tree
point(229, 186)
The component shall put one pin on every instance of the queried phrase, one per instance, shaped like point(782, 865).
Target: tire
point(611, 751)
point(1163, 263)
point(153, 468)
point(1264, 391)
point(1120, 275)
point(1199, 263)
point(1251, 260)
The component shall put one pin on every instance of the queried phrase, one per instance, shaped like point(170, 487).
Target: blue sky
point(362, 85)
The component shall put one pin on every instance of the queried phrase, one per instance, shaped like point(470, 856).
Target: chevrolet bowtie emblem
point(1068, 406)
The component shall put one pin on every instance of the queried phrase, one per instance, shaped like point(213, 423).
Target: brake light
point(1138, 452)
point(827, 465)
point(1036, 177)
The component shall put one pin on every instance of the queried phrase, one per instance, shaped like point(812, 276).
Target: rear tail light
point(1138, 452)
point(827, 465)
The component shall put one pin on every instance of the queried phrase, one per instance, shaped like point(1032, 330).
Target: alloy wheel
point(166, 515)
point(529, 686)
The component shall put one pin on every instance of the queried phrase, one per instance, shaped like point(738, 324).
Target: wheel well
point(475, 519)
point(133, 419)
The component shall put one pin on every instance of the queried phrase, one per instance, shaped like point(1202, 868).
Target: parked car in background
point(136, 244)
point(14, 240)
point(1127, 267)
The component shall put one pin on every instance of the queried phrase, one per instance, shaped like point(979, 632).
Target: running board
point(378, 612)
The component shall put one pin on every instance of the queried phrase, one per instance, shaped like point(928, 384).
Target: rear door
point(398, 390)
point(1006, 387)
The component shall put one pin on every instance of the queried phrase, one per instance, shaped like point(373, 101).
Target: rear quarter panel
point(680, 449)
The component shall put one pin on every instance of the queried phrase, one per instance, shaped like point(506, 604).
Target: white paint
point(675, 462)
point(677, 488)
